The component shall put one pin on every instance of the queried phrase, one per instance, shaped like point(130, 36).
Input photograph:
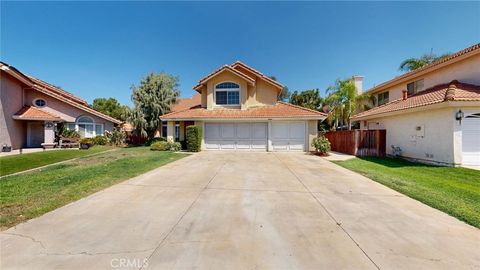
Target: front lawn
point(32, 194)
point(17, 163)
point(455, 191)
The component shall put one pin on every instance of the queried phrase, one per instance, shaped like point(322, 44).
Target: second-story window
point(227, 93)
point(382, 98)
point(414, 87)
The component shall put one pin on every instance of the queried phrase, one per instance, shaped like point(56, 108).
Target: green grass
point(17, 163)
point(32, 194)
point(455, 191)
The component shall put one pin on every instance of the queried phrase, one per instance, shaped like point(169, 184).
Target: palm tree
point(415, 63)
point(344, 101)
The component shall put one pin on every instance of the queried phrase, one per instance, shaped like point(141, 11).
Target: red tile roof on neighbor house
point(33, 113)
point(279, 110)
point(467, 52)
point(187, 103)
point(234, 68)
point(453, 91)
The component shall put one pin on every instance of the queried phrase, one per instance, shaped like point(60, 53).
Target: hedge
point(194, 138)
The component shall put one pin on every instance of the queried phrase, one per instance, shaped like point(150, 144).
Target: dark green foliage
point(321, 144)
point(310, 99)
point(166, 146)
point(100, 140)
point(155, 139)
point(111, 107)
point(69, 134)
point(87, 141)
point(194, 138)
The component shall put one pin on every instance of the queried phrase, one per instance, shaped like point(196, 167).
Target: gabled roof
point(453, 91)
point(33, 113)
point(465, 53)
point(54, 92)
point(187, 103)
point(280, 110)
point(234, 68)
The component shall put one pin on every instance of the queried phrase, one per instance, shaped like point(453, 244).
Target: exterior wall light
point(459, 115)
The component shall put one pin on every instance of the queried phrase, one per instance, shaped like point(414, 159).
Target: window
point(227, 93)
point(98, 129)
point(71, 126)
point(85, 126)
point(382, 98)
point(414, 87)
point(177, 130)
point(40, 103)
point(164, 129)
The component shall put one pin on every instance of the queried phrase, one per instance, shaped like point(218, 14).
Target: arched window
point(86, 126)
point(227, 93)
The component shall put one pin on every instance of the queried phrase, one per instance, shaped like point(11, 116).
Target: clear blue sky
point(99, 49)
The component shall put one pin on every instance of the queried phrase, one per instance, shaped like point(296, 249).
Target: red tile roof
point(472, 50)
point(236, 70)
point(279, 110)
point(187, 103)
point(33, 113)
point(58, 90)
point(453, 91)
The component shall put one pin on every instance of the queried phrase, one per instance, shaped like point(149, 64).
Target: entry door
point(236, 136)
point(288, 136)
point(471, 140)
point(35, 134)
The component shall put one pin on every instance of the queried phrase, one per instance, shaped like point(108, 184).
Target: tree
point(416, 63)
point(343, 102)
point(285, 94)
point(151, 99)
point(111, 107)
point(309, 99)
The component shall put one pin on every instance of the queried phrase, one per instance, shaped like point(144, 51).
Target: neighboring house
point(31, 110)
point(238, 108)
point(432, 113)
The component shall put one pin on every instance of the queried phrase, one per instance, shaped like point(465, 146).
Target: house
point(433, 113)
point(238, 109)
point(32, 111)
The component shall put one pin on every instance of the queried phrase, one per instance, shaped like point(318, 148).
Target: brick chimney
point(404, 94)
point(358, 81)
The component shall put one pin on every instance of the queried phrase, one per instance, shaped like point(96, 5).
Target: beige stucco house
point(432, 113)
point(238, 108)
point(31, 110)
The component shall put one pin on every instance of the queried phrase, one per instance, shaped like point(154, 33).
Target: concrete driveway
point(239, 210)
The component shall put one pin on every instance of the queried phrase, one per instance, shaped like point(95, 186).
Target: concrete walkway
point(238, 210)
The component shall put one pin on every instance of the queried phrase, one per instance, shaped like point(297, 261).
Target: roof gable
point(219, 71)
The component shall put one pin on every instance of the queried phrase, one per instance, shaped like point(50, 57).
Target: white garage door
point(471, 140)
point(236, 136)
point(288, 136)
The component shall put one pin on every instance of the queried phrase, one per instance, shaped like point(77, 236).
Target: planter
point(6, 148)
point(84, 146)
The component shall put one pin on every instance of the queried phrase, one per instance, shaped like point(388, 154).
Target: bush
point(154, 140)
point(100, 140)
point(69, 134)
point(166, 146)
point(116, 137)
point(321, 144)
point(194, 138)
point(86, 143)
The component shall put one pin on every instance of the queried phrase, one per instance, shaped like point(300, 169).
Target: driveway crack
point(339, 224)
point(28, 237)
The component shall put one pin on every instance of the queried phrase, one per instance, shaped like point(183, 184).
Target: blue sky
point(99, 49)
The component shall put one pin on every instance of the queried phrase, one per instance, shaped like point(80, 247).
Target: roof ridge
point(300, 107)
point(258, 72)
point(450, 93)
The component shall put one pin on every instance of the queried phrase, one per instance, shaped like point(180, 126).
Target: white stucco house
point(433, 113)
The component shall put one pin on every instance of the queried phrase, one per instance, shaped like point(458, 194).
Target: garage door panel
point(212, 145)
point(228, 131)
point(243, 131)
point(296, 145)
point(236, 136)
point(280, 145)
point(212, 131)
point(259, 131)
point(288, 136)
point(243, 145)
point(259, 145)
point(227, 145)
point(280, 131)
point(471, 141)
point(297, 131)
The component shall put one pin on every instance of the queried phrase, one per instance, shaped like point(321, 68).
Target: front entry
point(249, 136)
point(35, 134)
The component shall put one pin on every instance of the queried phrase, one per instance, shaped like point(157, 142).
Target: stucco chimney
point(358, 81)
point(404, 94)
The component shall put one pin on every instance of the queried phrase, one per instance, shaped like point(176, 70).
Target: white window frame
point(94, 131)
point(227, 90)
point(34, 103)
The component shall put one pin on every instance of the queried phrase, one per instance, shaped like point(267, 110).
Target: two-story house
point(238, 108)
point(433, 113)
point(31, 111)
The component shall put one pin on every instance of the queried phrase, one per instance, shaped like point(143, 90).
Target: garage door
point(471, 140)
point(236, 136)
point(288, 136)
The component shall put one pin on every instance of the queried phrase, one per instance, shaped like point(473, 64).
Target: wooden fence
point(358, 142)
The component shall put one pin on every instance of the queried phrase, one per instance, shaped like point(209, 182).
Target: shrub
point(100, 140)
point(321, 144)
point(166, 146)
point(154, 140)
point(86, 143)
point(70, 134)
point(194, 138)
point(116, 137)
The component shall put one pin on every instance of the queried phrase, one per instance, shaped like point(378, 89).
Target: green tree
point(308, 98)
point(151, 99)
point(343, 101)
point(416, 63)
point(285, 94)
point(111, 107)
